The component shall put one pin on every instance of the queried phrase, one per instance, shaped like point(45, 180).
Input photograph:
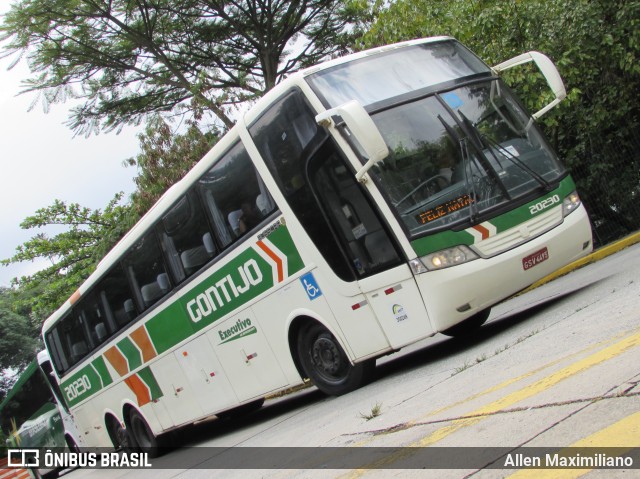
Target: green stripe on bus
point(150, 380)
point(169, 327)
point(101, 368)
point(131, 352)
point(226, 290)
point(81, 385)
point(448, 239)
point(282, 240)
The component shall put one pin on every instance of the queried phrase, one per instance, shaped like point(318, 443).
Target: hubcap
point(326, 355)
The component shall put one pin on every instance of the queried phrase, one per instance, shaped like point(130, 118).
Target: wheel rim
point(327, 358)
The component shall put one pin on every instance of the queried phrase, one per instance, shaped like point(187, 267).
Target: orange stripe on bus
point(482, 230)
point(117, 360)
point(141, 338)
point(275, 258)
point(139, 388)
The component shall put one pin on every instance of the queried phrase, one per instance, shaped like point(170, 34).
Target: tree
point(127, 59)
point(596, 46)
point(88, 235)
point(73, 253)
point(18, 335)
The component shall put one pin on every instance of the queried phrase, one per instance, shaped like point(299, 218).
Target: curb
point(597, 255)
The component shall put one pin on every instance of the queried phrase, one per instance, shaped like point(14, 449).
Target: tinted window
point(287, 137)
point(93, 319)
point(116, 298)
point(365, 241)
point(69, 342)
point(146, 270)
point(234, 196)
point(186, 237)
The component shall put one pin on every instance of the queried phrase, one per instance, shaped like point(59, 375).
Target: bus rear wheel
point(326, 364)
point(142, 435)
point(469, 326)
point(118, 434)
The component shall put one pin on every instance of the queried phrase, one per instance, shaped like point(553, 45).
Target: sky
point(41, 160)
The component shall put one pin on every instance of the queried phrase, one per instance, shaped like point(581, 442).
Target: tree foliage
point(18, 335)
point(596, 46)
point(129, 58)
point(85, 236)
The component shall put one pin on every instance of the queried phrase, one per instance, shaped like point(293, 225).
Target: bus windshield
point(456, 153)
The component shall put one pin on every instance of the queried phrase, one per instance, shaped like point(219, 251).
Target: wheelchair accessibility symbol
point(311, 286)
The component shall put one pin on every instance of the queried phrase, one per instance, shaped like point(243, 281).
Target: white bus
point(362, 205)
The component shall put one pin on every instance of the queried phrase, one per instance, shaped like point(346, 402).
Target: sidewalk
point(596, 255)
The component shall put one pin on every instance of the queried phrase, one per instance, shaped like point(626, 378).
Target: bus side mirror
point(548, 69)
point(364, 131)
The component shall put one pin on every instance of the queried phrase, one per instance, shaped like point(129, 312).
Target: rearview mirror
point(363, 129)
point(548, 69)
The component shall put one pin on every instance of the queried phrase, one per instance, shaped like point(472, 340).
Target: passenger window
point(286, 135)
point(234, 196)
point(93, 320)
point(186, 237)
point(146, 271)
point(71, 342)
point(116, 299)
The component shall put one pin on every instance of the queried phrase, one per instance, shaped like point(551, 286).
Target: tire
point(141, 435)
point(469, 326)
point(327, 365)
point(118, 434)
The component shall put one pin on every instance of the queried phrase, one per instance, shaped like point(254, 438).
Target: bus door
point(339, 218)
point(374, 256)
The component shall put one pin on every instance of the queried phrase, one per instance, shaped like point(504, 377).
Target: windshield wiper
point(476, 140)
point(466, 160)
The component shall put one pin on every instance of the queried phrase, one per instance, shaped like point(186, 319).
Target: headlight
point(443, 259)
point(570, 203)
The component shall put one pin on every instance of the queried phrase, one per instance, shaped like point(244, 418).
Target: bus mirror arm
point(363, 130)
point(547, 68)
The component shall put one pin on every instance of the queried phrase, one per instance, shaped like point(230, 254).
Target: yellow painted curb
point(597, 255)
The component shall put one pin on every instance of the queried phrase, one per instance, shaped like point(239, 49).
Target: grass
point(375, 412)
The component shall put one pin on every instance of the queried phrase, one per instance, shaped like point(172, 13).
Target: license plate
point(535, 259)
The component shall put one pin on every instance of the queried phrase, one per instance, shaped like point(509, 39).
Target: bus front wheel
point(327, 365)
point(468, 326)
point(142, 435)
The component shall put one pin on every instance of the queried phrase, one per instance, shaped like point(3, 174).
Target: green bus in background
point(34, 414)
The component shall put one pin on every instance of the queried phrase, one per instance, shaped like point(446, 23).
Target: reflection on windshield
point(394, 73)
point(458, 154)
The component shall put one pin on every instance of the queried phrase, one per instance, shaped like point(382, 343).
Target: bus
point(361, 205)
point(34, 415)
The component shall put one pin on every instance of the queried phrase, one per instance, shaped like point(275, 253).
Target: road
point(558, 366)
